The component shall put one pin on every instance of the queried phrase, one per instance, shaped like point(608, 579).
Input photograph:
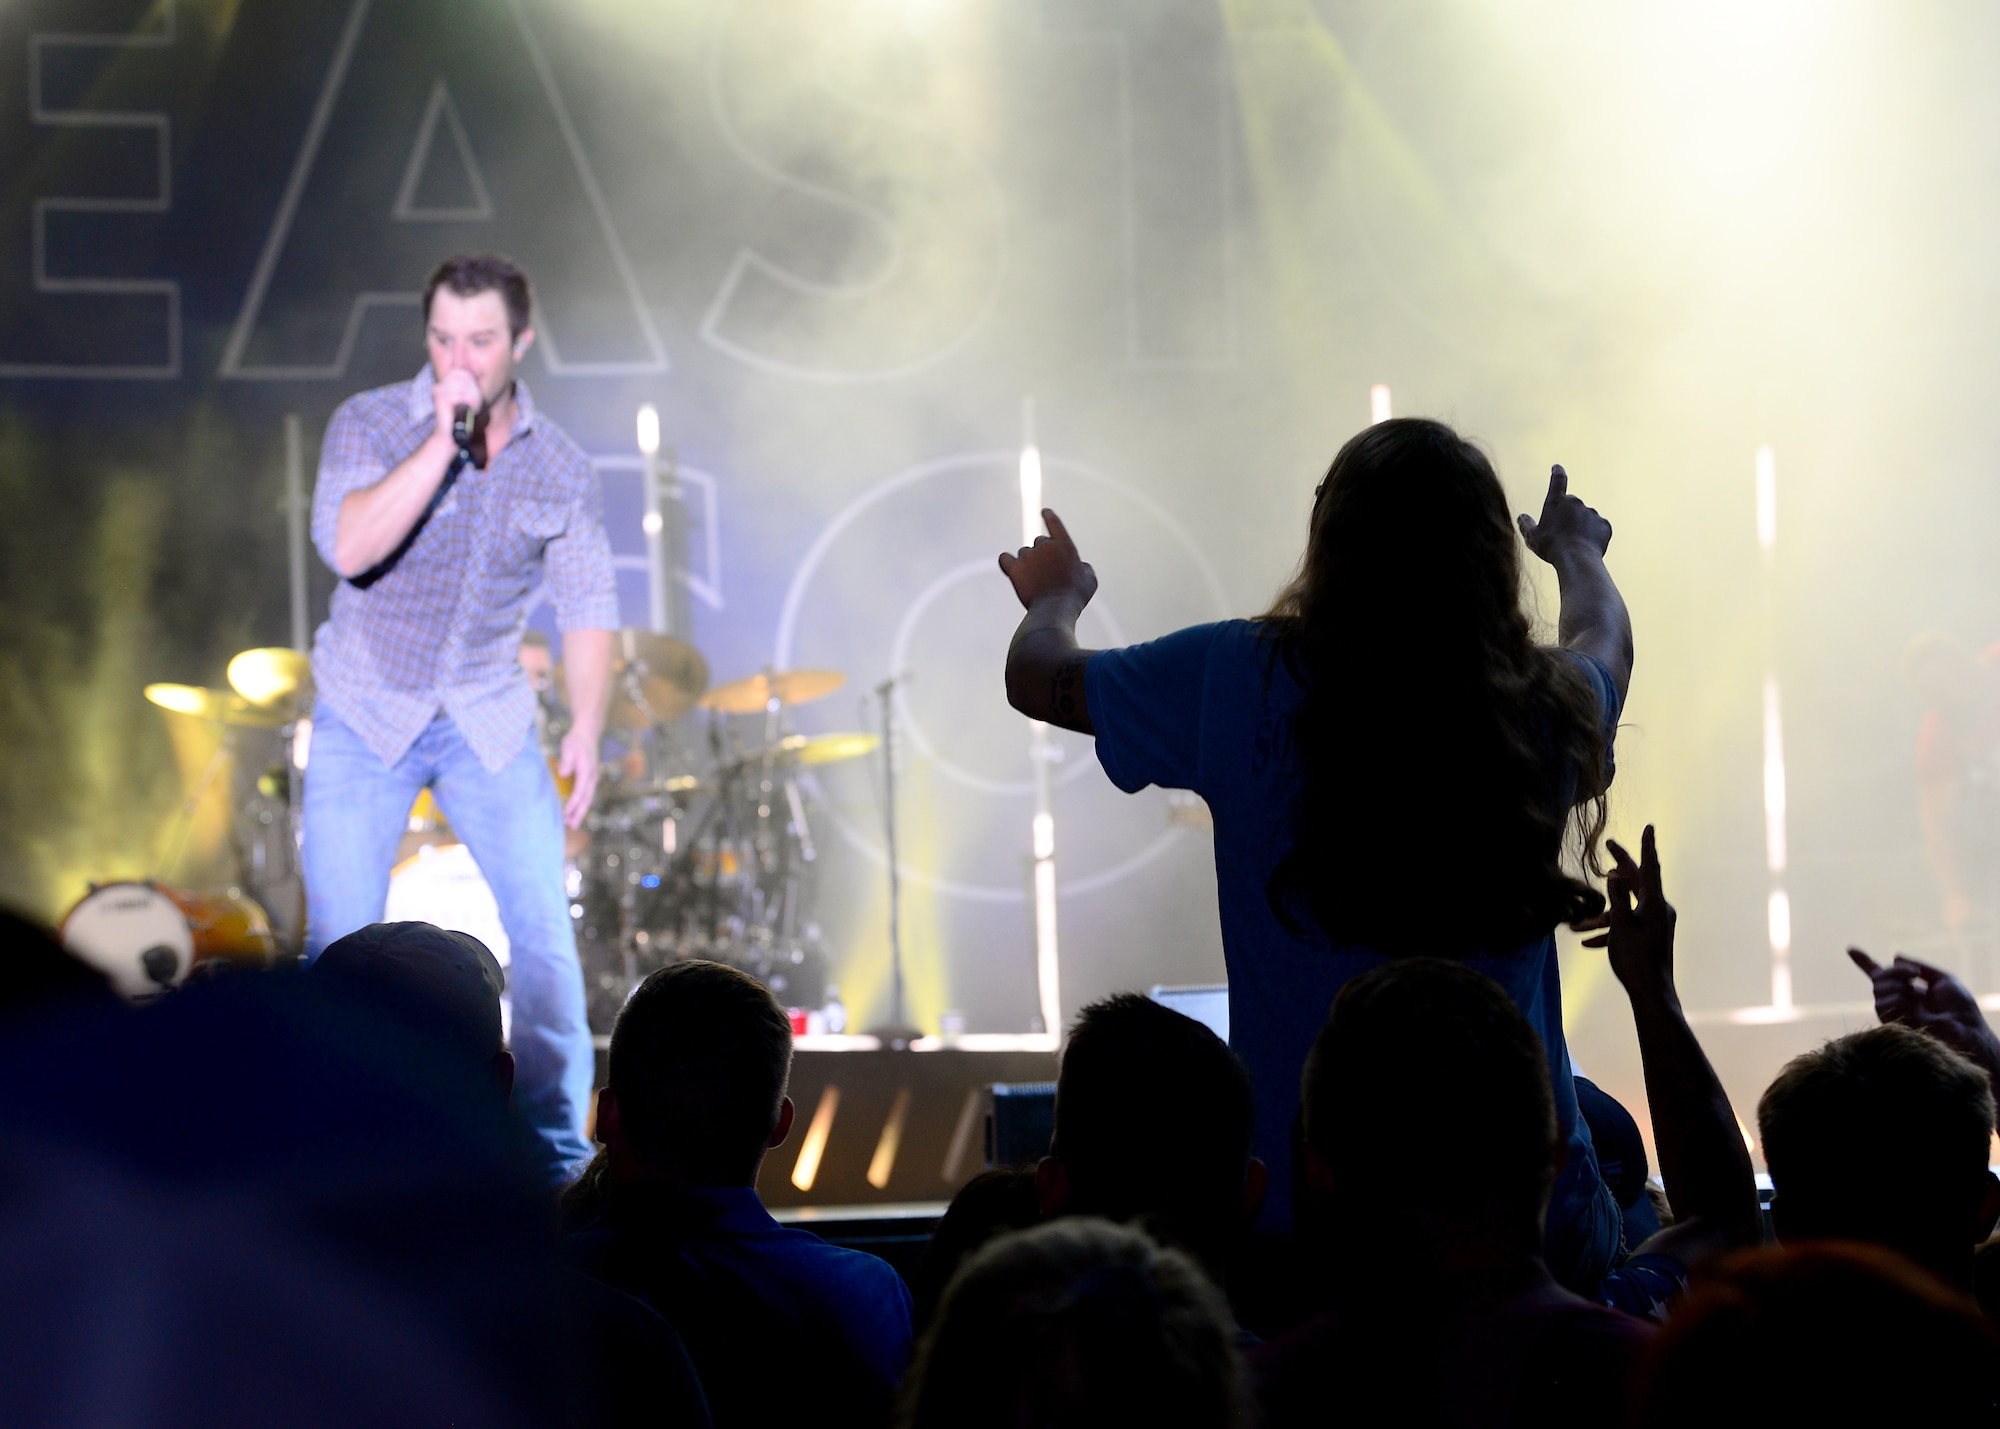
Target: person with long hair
point(1394, 765)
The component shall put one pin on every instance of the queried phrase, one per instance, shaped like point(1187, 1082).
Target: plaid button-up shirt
point(442, 629)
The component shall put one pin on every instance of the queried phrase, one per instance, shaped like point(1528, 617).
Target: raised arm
point(1703, 1161)
point(374, 520)
point(1573, 538)
point(1932, 1000)
point(1044, 662)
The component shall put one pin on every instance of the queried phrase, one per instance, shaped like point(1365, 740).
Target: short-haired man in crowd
point(1154, 1118)
point(1430, 1150)
point(1882, 1136)
point(442, 503)
point(781, 1325)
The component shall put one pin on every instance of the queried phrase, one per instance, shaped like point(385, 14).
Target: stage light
point(1378, 403)
point(882, 1165)
point(1042, 754)
point(1046, 967)
point(1031, 494)
point(1778, 914)
point(1767, 499)
point(1774, 778)
point(806, 1169)
point(659, 550)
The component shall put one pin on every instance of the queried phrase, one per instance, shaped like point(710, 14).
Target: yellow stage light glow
point(805, 1170)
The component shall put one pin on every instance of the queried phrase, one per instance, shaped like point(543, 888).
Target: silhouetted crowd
point(301, 1197)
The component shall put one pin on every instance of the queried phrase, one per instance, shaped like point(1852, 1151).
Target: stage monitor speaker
point(880, 1128)
point(1020, 1122)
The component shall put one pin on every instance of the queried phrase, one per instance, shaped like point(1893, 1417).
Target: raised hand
point(1566, 524)
point(1928, 999)
point(1050, 568)
point(1638, 926)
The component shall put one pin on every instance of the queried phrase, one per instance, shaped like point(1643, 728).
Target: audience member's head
point(1883, 1136)
point(1430, 1127)
point(278, 1209)
point(1154, 1118)
point(1621, 1151)
point(1826, 1334)
point(35, 971)
point(1077, 1323)
point(696, 1092)
point(992, 1203)
point(444, 985)
point(1476, 716)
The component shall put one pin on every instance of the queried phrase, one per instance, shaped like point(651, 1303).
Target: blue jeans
point(356, 810)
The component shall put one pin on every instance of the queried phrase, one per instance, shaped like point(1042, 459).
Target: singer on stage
point(440, 541)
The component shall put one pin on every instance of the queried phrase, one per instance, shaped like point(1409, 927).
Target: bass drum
point(147, 937)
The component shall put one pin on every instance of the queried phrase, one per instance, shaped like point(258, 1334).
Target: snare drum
point(147, 938)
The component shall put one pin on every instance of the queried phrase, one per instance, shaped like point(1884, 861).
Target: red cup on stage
point(798, 1020)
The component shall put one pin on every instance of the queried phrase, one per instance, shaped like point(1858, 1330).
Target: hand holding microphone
point(458, 400)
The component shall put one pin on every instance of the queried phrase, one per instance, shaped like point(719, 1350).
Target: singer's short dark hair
point(469, 273)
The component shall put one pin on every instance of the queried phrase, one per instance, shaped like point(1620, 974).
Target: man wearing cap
point(442, 985)
point(443, 503)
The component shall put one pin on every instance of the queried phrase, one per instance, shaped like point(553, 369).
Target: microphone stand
point(897, 1034)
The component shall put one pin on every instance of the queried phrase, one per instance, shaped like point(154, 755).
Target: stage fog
point(859, 254)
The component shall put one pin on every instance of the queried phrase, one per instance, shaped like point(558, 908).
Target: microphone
point(461, 428)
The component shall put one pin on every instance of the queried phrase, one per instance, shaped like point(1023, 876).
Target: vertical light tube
point(673, 536)
point(1774, 779)
point(295, 524)
point(1042, 754)
point(1778, 917)
point(1378, 403)
point(1778, 907)
point(652, 523)
point(1767, 500)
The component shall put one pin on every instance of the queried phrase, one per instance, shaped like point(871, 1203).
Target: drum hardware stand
point(225, 751)
point(896, 1034)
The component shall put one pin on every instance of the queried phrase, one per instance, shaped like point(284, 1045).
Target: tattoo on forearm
point(1066, 690)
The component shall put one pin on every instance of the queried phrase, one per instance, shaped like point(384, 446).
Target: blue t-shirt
point(1210, 709)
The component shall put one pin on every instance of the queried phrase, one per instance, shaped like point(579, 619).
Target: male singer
point(439, 538)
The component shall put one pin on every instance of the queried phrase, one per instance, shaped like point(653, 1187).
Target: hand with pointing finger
point(1566, 526)
point(1928, 999)
point(1051, 568)
point(1637, 928)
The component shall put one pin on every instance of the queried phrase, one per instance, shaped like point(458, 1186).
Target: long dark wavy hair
point(1445, 754)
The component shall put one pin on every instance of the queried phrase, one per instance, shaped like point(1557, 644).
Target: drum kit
point(700, 847)
point(699, 842)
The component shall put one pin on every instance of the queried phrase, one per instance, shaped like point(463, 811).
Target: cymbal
point(788, 687)
point(674, 673)
point(829, 748)
point(269, 674)
point(221, 705)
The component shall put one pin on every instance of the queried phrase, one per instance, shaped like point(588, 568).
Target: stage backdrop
point(840, 243)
